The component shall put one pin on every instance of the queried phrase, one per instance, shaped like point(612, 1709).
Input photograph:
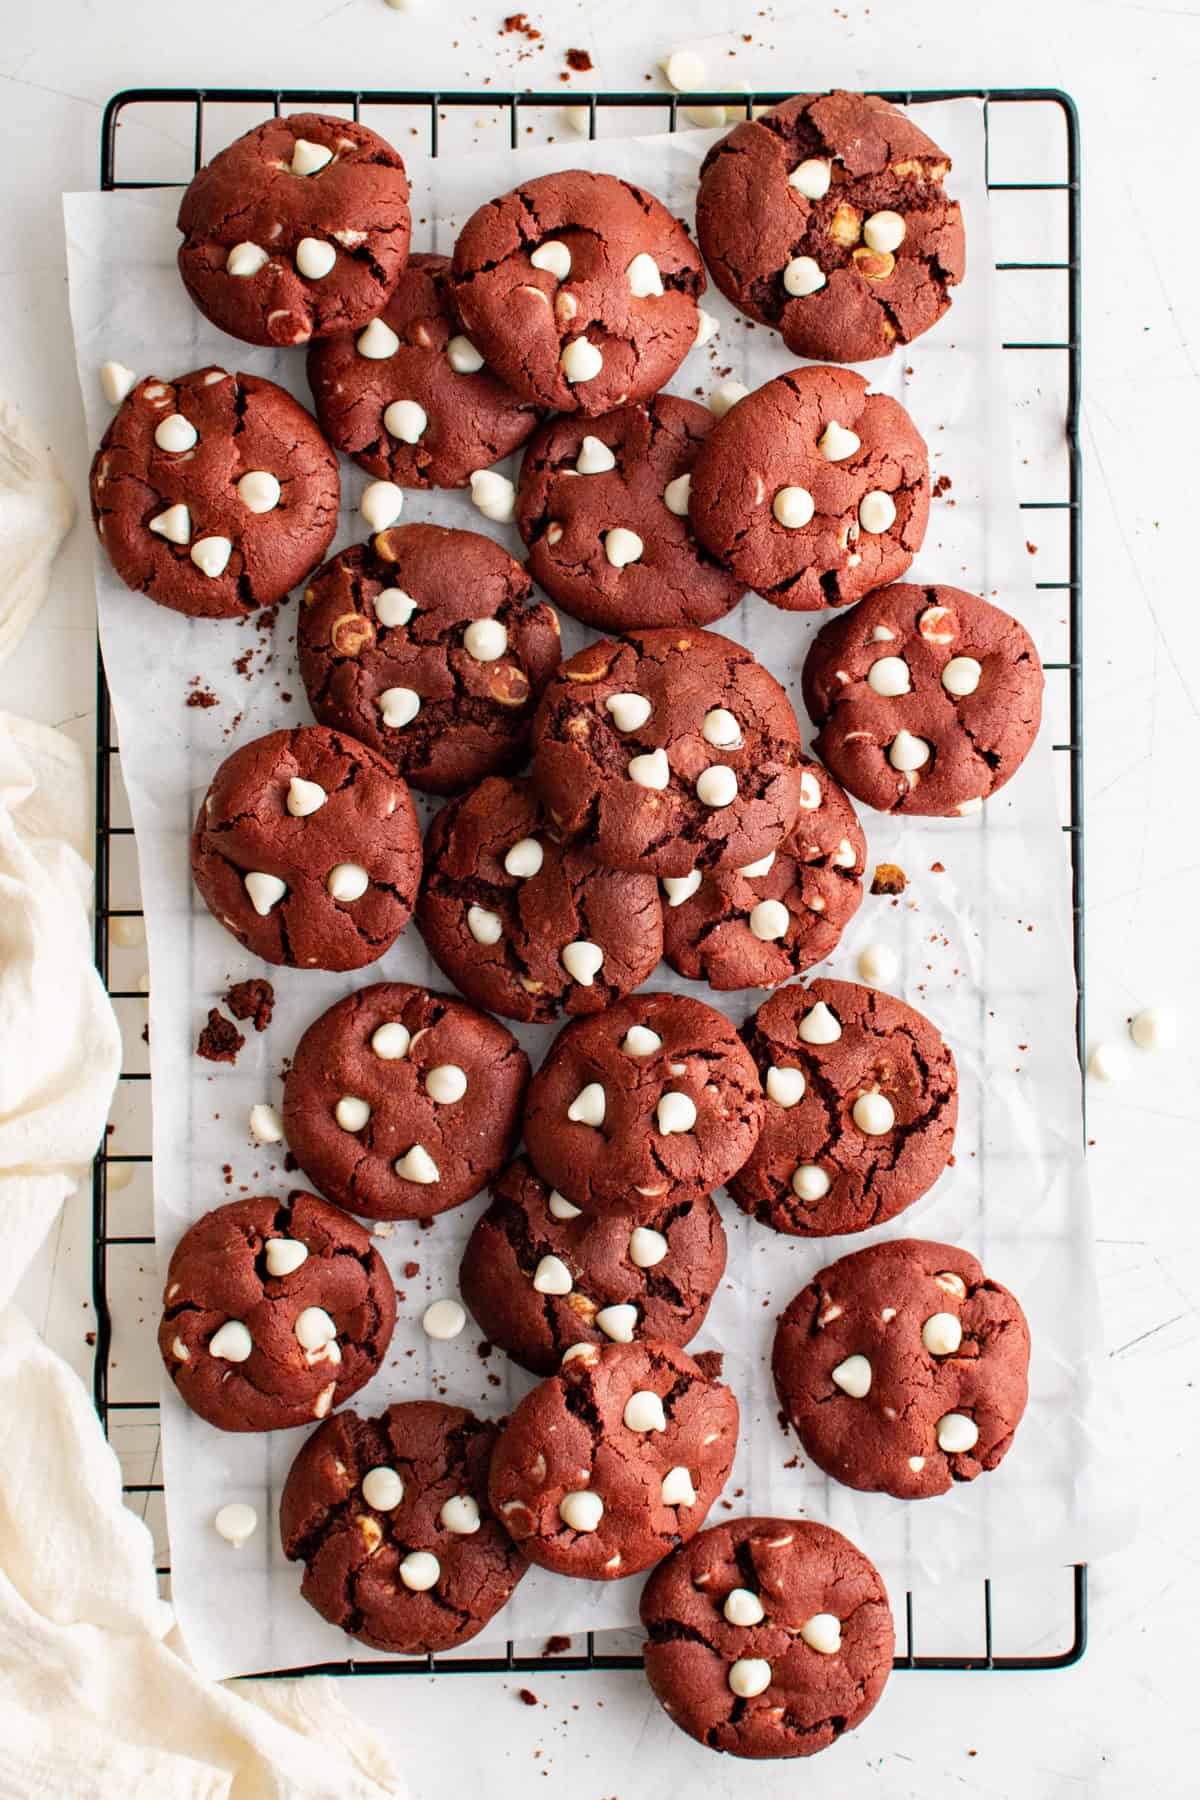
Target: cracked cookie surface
point(393, 1067)
point(579, 289)
point(759, 926)
point(650, 1280)
point(584, 1432)
point(307, 848)
point(236, 1337)
point(213, 494)
point(927, 699)
point(470, 418)
point(427, 644)
point(307, 192)
point(503, 902)
point(869, 1125)
point(427, 1565)
point(852, 521)
point(630, 733)
point(653, 1102)
point(635, 483)
point(903, 1368)
point(779, 1579)
point(827, 218)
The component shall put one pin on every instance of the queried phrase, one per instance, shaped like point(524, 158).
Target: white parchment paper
point(984, 944)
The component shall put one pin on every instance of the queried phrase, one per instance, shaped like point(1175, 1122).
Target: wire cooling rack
point(1045, 215)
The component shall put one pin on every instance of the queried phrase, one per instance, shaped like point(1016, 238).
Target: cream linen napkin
point(97, 1697)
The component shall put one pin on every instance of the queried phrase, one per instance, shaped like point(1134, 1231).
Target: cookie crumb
point(527, 1696)
point(889, 878)
point(554, 1646)
point(580, 61)
point(941, 486)
point(198, 695)
point(253, 999)
point(220, 1040)
point(710, 1363)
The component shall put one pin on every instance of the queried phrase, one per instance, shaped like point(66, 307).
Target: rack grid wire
point(124, 108)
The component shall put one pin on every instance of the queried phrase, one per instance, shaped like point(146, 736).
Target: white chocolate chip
point(675, 1112)
point(1109, 1062)
point(707, 327)
point(381, 504)
point(622, 546)
point(639, 1040)
point(398, 706)
point(793, 507)
point(723, 399)
point(646, 1247)
point(907, 752)
point(882, 635)
point(617, 1323)
point(810, 1182)
point(554, 257)
point(232, 1343)
point(810, 791)
point(820, 1026)
point(417, 1165)
point(823, 1633)
point(812, 177)
point(304, 797)
point(179, 1349)
point(446, 1084)
point(721, 729)
point(211, 555)
point(651, 770)
point(748, 1676)
point(883, 231)
point(116, 382)
point(460, 1514)
point(236, 1523)
point(916, 1464)
point(314, 1329)
point(679, 888)
point(443, 1320)
point(1154, 1028)
point(803, 276)
point(769, 920)
point(308, 158)
point(383, 1488)
point(351, 1113)
point(175, 434)
point(589, 1105)
point(390, 1041)
point(942, 1333)
point(406, 421)
point(951, 1283)
point(265, 891)
point(284, 1256)
point(561, 1208)
point(677, 1488)
point(684, 69)
point(595, 457)
point(676, 495)
point(581, 360)
point(961, 676)
point(785, 1085)
point(889, 677)
point(837, 442)
point(486, 640)
point(956, 1433)
point(876, 511)
point(524, 858)
point(266, 1127)
point(874, 1114)
point(175, 524)
point(877, 964)
point(853, 1377)
point(420, 1570)
point(314, 258)
point(485, 927)
point(628, 712)
point(644, 1411)
point(582, 960)
point(763, 866)
point(246, 259)
point(743, 1607)
point(259, 491)
point(643, 276)
point(581, 1510)
point(394, 608)
point(463, 357)
point(347, 881)
point(377, 341)
point(705, 116)
point(494, 496)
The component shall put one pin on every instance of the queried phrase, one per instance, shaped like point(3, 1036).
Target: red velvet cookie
point(579, 290)
point(655, 1101)
point(298, 229)
point(410, 398)
point(826, 217)
point(401, 1103)
point(539, 1275)
point(760, 925)
point(861, 1105)
point(903, 1369)
point(611, 1463)
point(274, 1311)
point(523, 924)
point(767, 1637)
point(213, 494)
point(307, 848)
point(390, 1518)
point(927, 699)
point(428, 645)
point(615, 549)
point(671, 751)
point(811, 490)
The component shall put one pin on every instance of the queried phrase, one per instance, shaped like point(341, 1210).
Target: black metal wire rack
point(1061, 191)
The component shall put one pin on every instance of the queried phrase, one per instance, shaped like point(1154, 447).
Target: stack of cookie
point(649, 796)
